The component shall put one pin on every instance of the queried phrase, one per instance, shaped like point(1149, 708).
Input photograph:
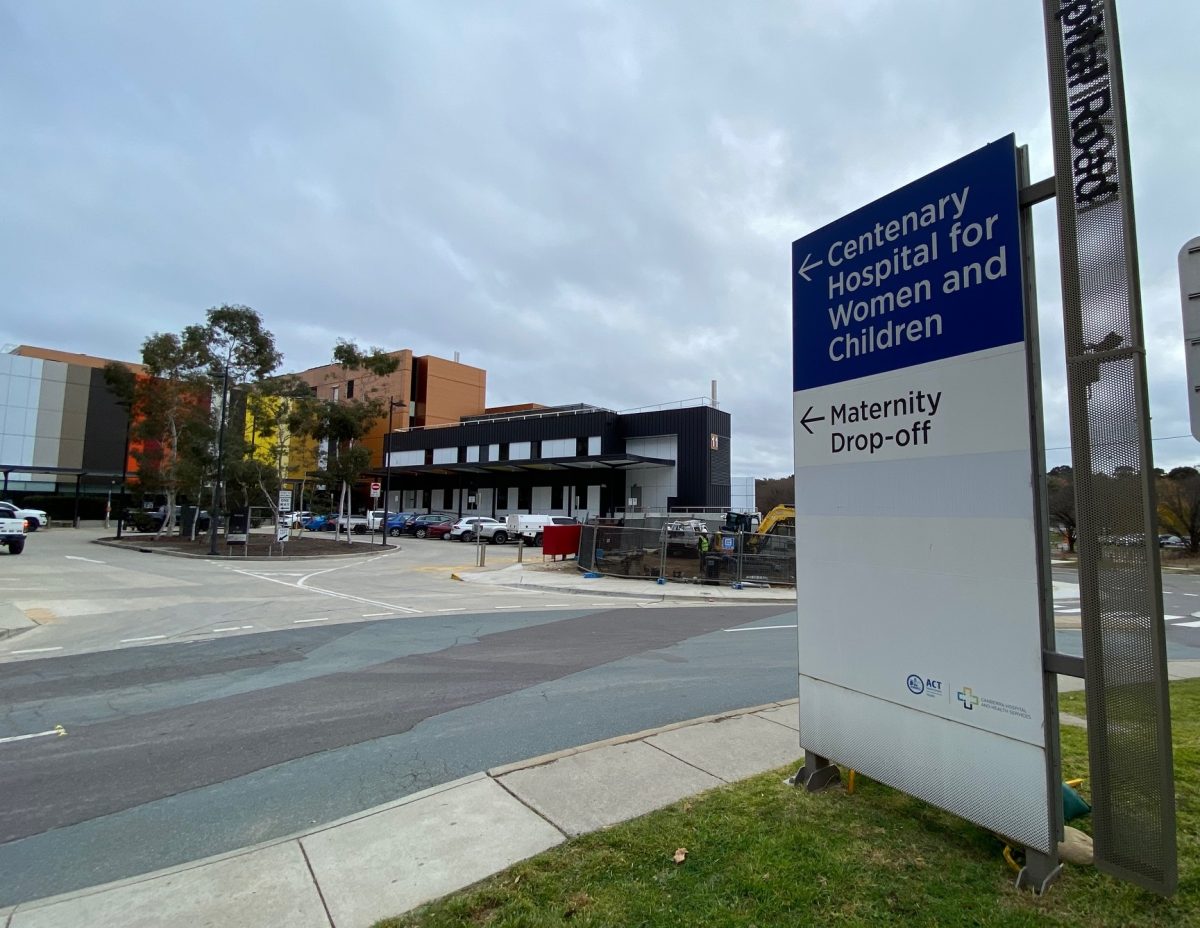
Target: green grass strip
point(762, 854)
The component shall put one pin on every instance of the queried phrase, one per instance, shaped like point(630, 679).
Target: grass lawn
point(763, 854)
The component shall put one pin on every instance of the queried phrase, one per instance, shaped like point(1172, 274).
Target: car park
point(12, 529)
point(529, 527)
point(396, 522)
point(473, 527)
point(440, 529)
point(419, 525)
point(34, 518)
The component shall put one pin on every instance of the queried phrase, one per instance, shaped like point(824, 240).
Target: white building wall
point(656, 484)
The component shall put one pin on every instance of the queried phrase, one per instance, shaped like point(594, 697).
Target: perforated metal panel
point(1124, 644)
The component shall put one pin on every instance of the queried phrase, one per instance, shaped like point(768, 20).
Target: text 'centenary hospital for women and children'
point(862, 325)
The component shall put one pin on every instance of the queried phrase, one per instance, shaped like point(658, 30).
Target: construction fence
point(674, 552)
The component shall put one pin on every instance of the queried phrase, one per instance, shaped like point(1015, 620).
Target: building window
point(504, 451)
point(349, 389)
point(335, 394)
point(581, 496)
point(535, 450)
point(462, 454)
point(524, 497)
point(473, 499)
point(427, 499)
point(428, 460)
point(447, 499)
point(502, 498)
point(556, 497)
point(581, 448)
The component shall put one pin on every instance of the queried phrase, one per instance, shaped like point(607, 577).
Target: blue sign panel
point(930, 271)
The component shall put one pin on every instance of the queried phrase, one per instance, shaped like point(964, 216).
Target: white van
point(530, 527)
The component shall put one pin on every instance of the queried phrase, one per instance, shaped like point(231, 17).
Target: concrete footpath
point(392, 858)
point(568, 579)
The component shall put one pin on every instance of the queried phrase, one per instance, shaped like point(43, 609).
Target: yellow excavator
point(779, 522)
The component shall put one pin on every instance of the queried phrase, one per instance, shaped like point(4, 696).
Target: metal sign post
point(1120, 586)
point(921, 657)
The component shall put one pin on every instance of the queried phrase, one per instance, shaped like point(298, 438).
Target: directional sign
point(919, 626)
point(1189, 293)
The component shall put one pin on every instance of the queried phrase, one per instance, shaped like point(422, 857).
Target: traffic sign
point(919, 629)
point(375, 490)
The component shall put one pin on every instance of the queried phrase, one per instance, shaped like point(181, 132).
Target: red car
point(439, 529)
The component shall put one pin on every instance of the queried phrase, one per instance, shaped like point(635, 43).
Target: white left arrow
point(805, 267)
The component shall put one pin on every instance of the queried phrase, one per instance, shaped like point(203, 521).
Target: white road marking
point(302, 621)
point(1195, 624)
point(1058, 611)
point(35, 650)
point(1173, 618)
point(522, 606)
point(146, 638)
point(556, 605)
point(301, 585)
point(72, 557)
point(759, 628)
point(233, 628)
point(374, 615)
point(1187, 594)
point(455, 609)
point(58, 730)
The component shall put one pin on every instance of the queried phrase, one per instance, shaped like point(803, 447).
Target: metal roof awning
point(591, 462)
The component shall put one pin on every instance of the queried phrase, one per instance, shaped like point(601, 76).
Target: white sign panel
point(917, 579)
point(1189, 286)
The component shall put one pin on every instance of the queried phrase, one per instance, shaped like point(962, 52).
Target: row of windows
point(582, 446)
point(524, 497)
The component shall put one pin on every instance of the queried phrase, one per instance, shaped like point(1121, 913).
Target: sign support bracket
point(1041, 869)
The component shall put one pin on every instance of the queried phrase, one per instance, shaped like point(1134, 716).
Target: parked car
point(12, 529)
point(1171, 541)
point(440, 529)
point(491, 530)
point(318, 524)
point(34, 518)
point(295, 519)
point(356, 524)
point(529, 527)
point(397, 520)
point(421, 523)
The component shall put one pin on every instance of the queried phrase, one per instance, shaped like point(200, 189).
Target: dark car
point(419, 526)
point(396, 522)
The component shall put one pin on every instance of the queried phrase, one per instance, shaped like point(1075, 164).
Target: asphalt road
point(202, 741)
point(212, 706)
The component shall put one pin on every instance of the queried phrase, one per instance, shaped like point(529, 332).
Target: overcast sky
point(594, 201)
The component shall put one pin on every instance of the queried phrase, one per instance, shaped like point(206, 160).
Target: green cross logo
point(968, 698)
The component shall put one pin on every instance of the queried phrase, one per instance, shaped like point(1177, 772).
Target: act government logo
point(919, 685)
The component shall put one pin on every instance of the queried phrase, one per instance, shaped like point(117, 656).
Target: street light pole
point(216, 513)
point(387, 474)
point(124, 472)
